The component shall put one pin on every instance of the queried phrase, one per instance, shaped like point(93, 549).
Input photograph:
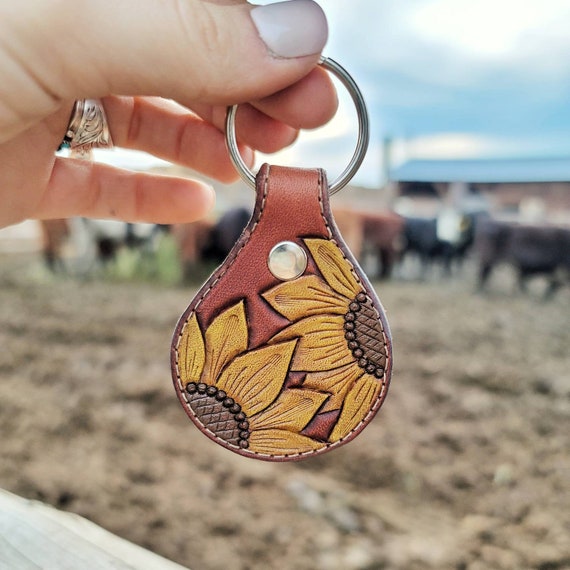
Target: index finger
point(307, 104)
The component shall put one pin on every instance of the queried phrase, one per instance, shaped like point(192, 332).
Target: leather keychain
point(285, 352)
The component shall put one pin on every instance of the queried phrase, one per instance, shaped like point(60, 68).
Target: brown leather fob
point(285, 352)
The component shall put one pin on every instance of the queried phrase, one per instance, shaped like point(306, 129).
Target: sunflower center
point(365, 336)
point(219, 413)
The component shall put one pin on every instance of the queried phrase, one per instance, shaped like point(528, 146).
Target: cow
point(92, 243)
point(225, 233)
point(383, 238)
point(531, 250)
point(207, 242)
point(351, 226)
point(54, 236)
point(444, 239)
point(104, 238)
point(420, 238)
point(191, 239)
point(377, 233)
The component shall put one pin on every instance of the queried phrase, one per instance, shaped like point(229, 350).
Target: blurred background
point(460, 214)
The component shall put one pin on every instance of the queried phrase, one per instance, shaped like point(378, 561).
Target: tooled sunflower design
point(341, 343)
point(238, 396)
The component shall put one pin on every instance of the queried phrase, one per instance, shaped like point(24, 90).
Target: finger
point(210, 51)
point(253, 127)
point(307, 104)
point(214, 52)
point(88, 189)
point(169, 131)
point(273, 122)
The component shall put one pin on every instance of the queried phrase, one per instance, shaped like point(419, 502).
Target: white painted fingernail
point(292, 29)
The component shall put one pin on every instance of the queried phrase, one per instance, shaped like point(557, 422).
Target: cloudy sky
point(445, 79)
point(448, 78)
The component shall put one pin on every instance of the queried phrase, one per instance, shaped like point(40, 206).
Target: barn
point(531, 190)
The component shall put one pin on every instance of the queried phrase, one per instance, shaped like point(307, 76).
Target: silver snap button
point(287, 261)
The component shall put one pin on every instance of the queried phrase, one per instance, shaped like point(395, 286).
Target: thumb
point(211, 51)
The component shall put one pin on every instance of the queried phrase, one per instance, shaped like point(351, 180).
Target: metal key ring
point(361, 144)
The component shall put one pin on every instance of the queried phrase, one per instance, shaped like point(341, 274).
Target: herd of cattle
point(383, 240)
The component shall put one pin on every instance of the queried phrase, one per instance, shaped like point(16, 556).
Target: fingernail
point(292, 29)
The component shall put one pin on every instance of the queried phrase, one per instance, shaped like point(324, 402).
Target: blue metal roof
point(484, 170)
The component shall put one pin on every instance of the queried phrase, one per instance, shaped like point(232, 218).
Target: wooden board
point(36, 536)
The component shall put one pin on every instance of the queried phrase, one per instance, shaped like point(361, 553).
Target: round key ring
point(361, 144)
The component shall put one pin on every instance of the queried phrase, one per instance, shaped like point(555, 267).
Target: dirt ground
point(467, 465)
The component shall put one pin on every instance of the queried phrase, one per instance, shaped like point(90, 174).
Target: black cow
point(425, 238)
point(531, 250)
point(420, 238)
point(107, 237)
point(225, 234)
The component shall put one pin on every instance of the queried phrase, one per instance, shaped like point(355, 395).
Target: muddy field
point(467, 465)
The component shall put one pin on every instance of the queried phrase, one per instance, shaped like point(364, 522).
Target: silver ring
point(361, 144)
point(87, 129)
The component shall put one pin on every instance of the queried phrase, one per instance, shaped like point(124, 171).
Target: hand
point(165, 71)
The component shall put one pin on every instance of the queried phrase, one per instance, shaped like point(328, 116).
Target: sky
point(445, 79)
point(448, 79)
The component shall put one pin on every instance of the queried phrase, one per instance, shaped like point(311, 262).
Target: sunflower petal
point(226, 337)
point(356, 405)
point(336, 382)
point(292, 411)
point(335, 268)
point(255, 378)
point(191, 352)
point(304, 297)
point(280, 442)
point(321, 343)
